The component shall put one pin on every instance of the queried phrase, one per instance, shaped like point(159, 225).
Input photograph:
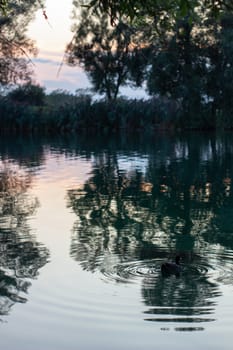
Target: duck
point(171, 268)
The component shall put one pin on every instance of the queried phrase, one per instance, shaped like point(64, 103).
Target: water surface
point(85, 224)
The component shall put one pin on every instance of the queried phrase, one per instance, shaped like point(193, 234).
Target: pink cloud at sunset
point(48, 73)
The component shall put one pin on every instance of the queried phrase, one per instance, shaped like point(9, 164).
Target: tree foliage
point(3, 6)
point(107, 53)
point(15, 46)
point(28, 94)
point(160, 8)
point(195, 66)
point(190, 53)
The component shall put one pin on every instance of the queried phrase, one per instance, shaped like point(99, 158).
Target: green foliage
point(15, 47)
point(28, 94)
point(81, 113)
point(182, 52)
point(220, 82)
point(195, 68)
point(179, 70)
point(60, 98)
point(167, 8)
point(107, 53)
point(3, 6)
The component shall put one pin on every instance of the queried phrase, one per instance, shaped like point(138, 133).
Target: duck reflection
point(21, 256)
point(189, 299)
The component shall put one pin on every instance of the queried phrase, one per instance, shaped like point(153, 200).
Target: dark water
point(85, 224)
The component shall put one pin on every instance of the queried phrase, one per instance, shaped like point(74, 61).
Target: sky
point(51, 38)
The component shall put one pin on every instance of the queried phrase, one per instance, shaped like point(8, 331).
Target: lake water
point(85, 224)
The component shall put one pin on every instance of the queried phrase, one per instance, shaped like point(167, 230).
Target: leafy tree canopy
point(107, 53)
point(3, 6)
point(132, 8)
point(15, 46)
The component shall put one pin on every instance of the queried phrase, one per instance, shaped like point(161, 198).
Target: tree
point(3, 6)
point(28, 94)
point(15, 47)
point(107, 53)
point(160, 9)
point(179, 68)
point(194, 66)
point(219, 80)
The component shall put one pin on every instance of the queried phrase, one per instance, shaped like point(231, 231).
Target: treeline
point(28, 109)
point(188, 62)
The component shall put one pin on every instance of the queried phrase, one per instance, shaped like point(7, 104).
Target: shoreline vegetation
point(30, 110)
point(182, 58)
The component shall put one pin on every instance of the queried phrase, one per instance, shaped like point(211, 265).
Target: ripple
point(181, 319)
point(188, 299)
point(132, 271)
point(184, 315)
point(186, 303)
point(216, 265)
point(128, 272)
point(223, 267)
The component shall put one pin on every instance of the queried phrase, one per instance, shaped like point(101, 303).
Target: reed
point(62, 112)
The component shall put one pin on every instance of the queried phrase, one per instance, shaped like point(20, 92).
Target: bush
point(28, 94)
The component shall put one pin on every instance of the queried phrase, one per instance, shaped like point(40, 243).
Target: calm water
point(85, 224)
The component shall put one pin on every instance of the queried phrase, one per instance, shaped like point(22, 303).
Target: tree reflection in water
point(173, 203)
point(180, 201)
point(21, 256)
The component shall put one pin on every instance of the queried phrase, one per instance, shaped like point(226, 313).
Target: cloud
point(47, 67)
point(69, 78)
point(46, 61)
